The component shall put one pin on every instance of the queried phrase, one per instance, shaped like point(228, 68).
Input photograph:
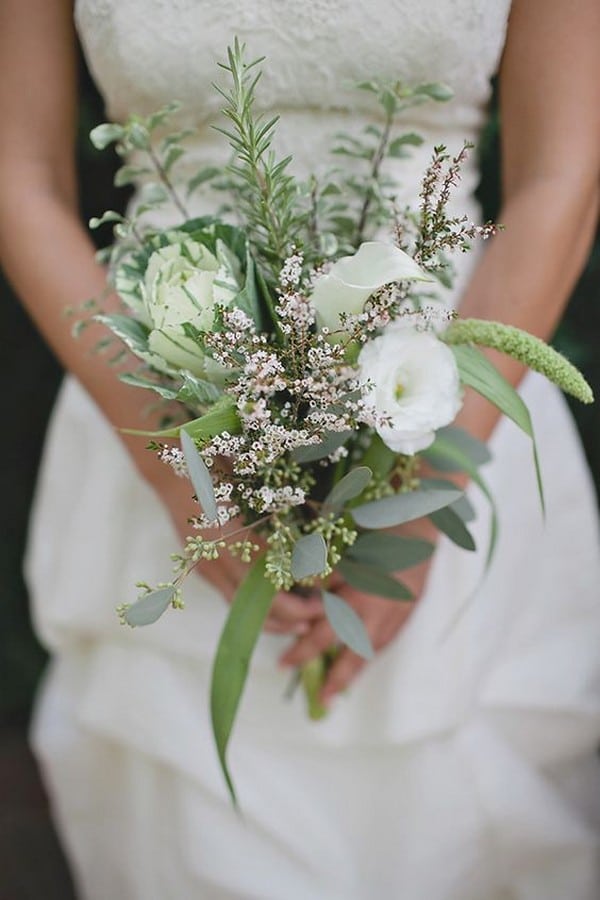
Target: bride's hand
point(383, 620)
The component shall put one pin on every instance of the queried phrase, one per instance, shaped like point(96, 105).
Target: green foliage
point(265, 194)
point(449, 523)
point(149, 607)
point(347, 624)
point(347, 488)
point(389, 552)
point(477, 371)
point(199, 476)
point(309, 556)
point(401, 508)
point(372, 581)
point(247, 614)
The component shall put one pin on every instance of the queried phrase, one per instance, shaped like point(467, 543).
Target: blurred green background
point(30, 379)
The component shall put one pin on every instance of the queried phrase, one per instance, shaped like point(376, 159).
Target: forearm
point(50, 260)
point(527, 273)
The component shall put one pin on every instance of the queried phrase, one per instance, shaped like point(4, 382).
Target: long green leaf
point(372, 581)
point(347, 624)
point(246, 617)
point(199, 476)
point(309, 556)
point(477, 371)
point(401, 508)
point(389, 552)
point(222, 417)
point(348, 487)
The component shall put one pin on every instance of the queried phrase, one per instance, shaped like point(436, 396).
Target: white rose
point(182, 284)
point(352, 279)
point(410, 377)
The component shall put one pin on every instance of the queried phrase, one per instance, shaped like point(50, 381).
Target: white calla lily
point(353, 279)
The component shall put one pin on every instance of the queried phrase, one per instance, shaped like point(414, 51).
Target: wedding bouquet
point(311, 366)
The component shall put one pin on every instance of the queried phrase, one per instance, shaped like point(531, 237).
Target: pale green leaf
point(246, 618)
point(400, 508)
point(313, 452)
point(348, 487)
point(309, 556)
point(372, 581)
point(199, 476)
point(348, 625)
point(149, 607)
point(389, 552)
point(447, 521)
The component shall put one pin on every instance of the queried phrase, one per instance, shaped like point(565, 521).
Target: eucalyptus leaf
point(400, 508)
point(199, 476)
point(389, 552)
point(464, 509)
point(347, 624)
point(447, 521)
point(245, 620)
point(309, 556)
point(372, 581)
point(149, 607)
point(348, 487)
point(312, 452)
point(453, 438)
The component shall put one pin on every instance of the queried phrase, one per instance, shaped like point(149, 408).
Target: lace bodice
point(144, 53)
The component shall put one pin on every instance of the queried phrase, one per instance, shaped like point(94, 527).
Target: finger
point(275, 626)
point(316, 641)
point(291, 609)
point(342, 673)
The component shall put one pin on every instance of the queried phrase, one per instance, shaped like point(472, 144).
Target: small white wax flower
point(183, 282)
point(352, 279)
point(411, 386)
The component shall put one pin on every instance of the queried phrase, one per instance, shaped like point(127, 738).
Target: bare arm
point(550, 117)
point(550, 107)
point(47, 253)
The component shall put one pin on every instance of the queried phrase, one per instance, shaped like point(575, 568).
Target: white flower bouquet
point(311, 368)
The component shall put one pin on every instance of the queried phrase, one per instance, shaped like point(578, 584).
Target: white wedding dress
point(461, 765)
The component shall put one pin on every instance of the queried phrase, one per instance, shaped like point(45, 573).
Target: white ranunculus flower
point(352, 279)
point(411, 377)
point(182, 284)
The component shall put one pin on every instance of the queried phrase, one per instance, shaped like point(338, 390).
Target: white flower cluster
point(174, 457)
point(268, 499)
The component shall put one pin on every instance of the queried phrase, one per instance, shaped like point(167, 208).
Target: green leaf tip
point(526, 348)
